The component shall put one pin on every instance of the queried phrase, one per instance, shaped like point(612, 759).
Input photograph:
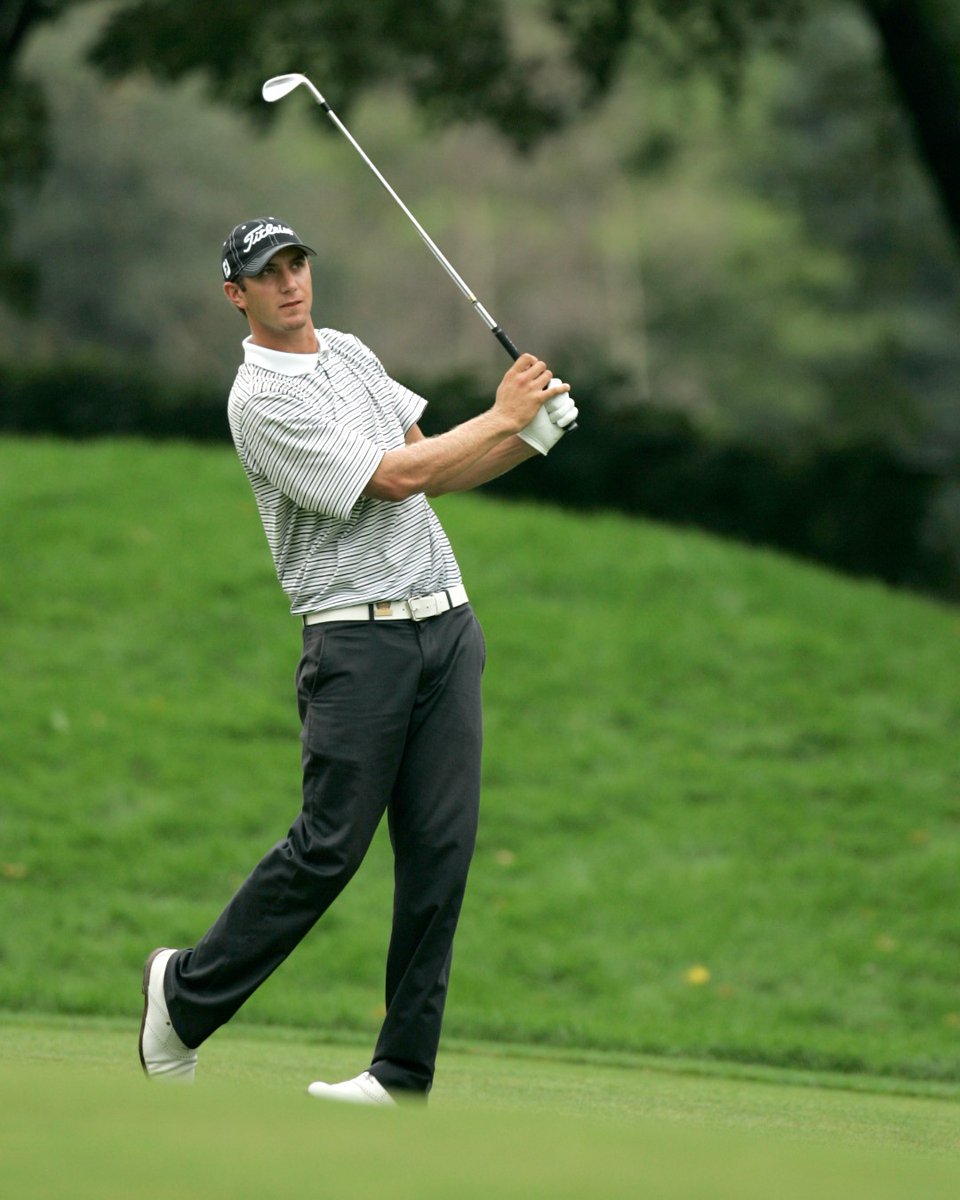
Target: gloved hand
point(551, 421)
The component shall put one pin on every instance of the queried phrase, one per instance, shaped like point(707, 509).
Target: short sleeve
point(320, 466)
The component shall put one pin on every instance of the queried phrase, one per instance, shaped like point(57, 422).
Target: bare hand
point(524, 389)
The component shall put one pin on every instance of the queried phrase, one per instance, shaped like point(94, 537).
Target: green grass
point(79, 1121)
point(722, 796)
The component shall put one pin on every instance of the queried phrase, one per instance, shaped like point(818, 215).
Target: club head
point(280, 86)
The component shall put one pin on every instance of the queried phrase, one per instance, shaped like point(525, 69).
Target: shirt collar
point(281, 361)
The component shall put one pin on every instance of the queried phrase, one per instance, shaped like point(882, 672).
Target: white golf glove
point(551, 421)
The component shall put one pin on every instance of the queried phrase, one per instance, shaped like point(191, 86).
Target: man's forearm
point(428, 464)
point(498, 461)
point(475, 451)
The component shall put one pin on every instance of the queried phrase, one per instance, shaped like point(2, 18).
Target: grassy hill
point(722, 805)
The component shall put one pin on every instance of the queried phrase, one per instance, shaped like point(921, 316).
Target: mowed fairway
point(711, 936)
point(79, 1121)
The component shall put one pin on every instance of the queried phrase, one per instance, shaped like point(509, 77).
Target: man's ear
point(234, 293)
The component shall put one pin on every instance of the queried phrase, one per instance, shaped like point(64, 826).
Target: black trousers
point(391, 722)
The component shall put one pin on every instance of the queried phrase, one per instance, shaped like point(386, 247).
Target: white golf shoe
point(162, 1053)
point(365, 1089)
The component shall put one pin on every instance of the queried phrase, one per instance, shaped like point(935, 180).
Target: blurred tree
point(23, 149)
point(16, 18)
point(834, 150)
point(454, 56)
point(921, 41)
point(792, 261)
point(797, 282)
point(460, 61)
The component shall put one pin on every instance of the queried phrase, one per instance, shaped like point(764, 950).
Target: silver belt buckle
point(422, 607)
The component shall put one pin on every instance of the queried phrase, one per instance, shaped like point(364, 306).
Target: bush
point(861, 507)
point(92, 396)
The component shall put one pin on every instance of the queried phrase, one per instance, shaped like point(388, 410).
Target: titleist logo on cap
point(256, 235)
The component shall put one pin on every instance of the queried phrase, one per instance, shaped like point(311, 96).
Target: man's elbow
point(392, 484)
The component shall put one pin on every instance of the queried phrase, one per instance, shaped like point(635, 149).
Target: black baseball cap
point(251, 245)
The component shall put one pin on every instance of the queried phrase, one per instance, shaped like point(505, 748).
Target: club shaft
point(428, 241)
point(431, 244)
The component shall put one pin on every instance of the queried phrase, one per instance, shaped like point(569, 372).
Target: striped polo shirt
point(310, 430)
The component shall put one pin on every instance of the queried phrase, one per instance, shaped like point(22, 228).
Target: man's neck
point(300, 341)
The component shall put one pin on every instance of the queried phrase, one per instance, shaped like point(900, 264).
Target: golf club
point(281, 85)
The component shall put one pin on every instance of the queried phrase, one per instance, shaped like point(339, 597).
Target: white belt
point(417, 609)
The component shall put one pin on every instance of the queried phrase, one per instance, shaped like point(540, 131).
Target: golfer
point(388, 684)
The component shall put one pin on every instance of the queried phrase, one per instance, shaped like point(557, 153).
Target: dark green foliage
point(23, 141)
point(921, 42)
point(453, 55)
point(460, 62)
point(89, 398)
point(598, 32)
point(23, 157)
point(716, 34)
point(858, 506)
point(17, 19)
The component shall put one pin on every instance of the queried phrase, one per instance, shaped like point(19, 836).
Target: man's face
point(278, 301)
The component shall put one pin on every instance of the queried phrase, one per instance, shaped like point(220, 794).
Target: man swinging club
point(388, 685)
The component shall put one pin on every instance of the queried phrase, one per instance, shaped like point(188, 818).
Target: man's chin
point(295, 322)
